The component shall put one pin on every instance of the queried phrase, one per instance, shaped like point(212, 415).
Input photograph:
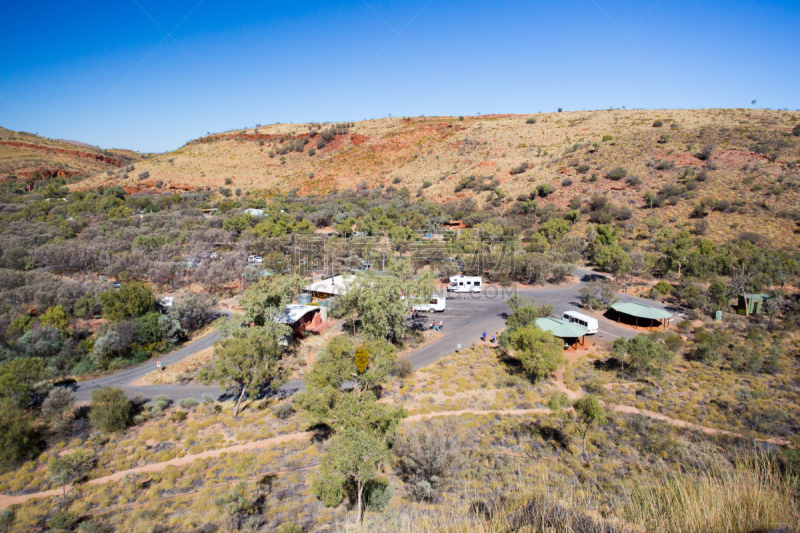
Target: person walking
point(492, 338)
point(441, 325)
point(483, 337)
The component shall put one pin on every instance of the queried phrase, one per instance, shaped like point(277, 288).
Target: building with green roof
point(639, 311)
point(567, 331)
point(755, 303)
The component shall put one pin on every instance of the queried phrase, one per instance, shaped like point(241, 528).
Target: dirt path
point(5, 501)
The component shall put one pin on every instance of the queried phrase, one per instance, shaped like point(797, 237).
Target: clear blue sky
point(107, 74)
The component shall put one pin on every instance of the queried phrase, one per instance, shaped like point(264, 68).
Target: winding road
point(465, 318)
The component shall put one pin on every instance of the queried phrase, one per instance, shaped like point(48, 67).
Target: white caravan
point(465, 284)
point(582, 320)
point(436, 304)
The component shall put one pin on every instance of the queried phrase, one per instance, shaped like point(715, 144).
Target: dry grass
point(180, 371)
point(750, 495)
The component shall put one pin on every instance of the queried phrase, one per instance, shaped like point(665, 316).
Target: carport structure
point(641, 311)
point(566, 331)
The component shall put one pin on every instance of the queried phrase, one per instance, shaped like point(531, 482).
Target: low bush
point(110, 409)
point(617, 173)
point(519, 169)
point(658, 124)
point(530, 121)
point(62, 520)
point(402, 368)
point(566, 182)
point(663, 287)
point(188, 403)
point(283, 410)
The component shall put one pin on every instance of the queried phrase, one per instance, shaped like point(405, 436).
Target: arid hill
point(739, 163)
point(31, 157)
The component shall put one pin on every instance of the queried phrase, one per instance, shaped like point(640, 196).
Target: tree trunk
point(359, 510)
point(236, 410)
point(584, 442)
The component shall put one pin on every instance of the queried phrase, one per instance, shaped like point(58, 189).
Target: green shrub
point(7, 517)
point(607, 138)
point(617, 173)
point(796, 131)
point(658, 124)
point(188, 403)
point(582, 169)
point(530, 121)
point(178, 416)
point(17, 436)
point(283, 410)
point(129, 301)
point(110, 409)
point(663, 287)
point(62, 520)
point(377, 494)
point(545, 189)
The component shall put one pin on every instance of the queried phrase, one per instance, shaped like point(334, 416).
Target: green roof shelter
point(755, 303)
point(641, 311)
point(562, 329)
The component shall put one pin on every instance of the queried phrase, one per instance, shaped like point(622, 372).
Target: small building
point(569, 332)
point(254, 212)
point(636, 312)
point(298, 317)
point(755, 303)
point(454, 225)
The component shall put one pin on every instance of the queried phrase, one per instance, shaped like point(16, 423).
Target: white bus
point(465, 284)
point(586, 321)
point(436, 304)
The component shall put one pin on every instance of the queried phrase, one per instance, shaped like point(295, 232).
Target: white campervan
point(465, 284)
point(436, 304)
point(582, 320)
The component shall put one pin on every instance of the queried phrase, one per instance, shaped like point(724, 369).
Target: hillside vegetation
point(739, 163)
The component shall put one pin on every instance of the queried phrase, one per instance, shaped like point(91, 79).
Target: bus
point(582, 320)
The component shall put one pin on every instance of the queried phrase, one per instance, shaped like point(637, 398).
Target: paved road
point(465, 318)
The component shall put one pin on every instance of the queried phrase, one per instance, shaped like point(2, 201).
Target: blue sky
point(108, 74)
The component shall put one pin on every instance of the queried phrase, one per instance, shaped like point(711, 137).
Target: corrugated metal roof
point(641, 310)
point(561, 328)
point(294, 312)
